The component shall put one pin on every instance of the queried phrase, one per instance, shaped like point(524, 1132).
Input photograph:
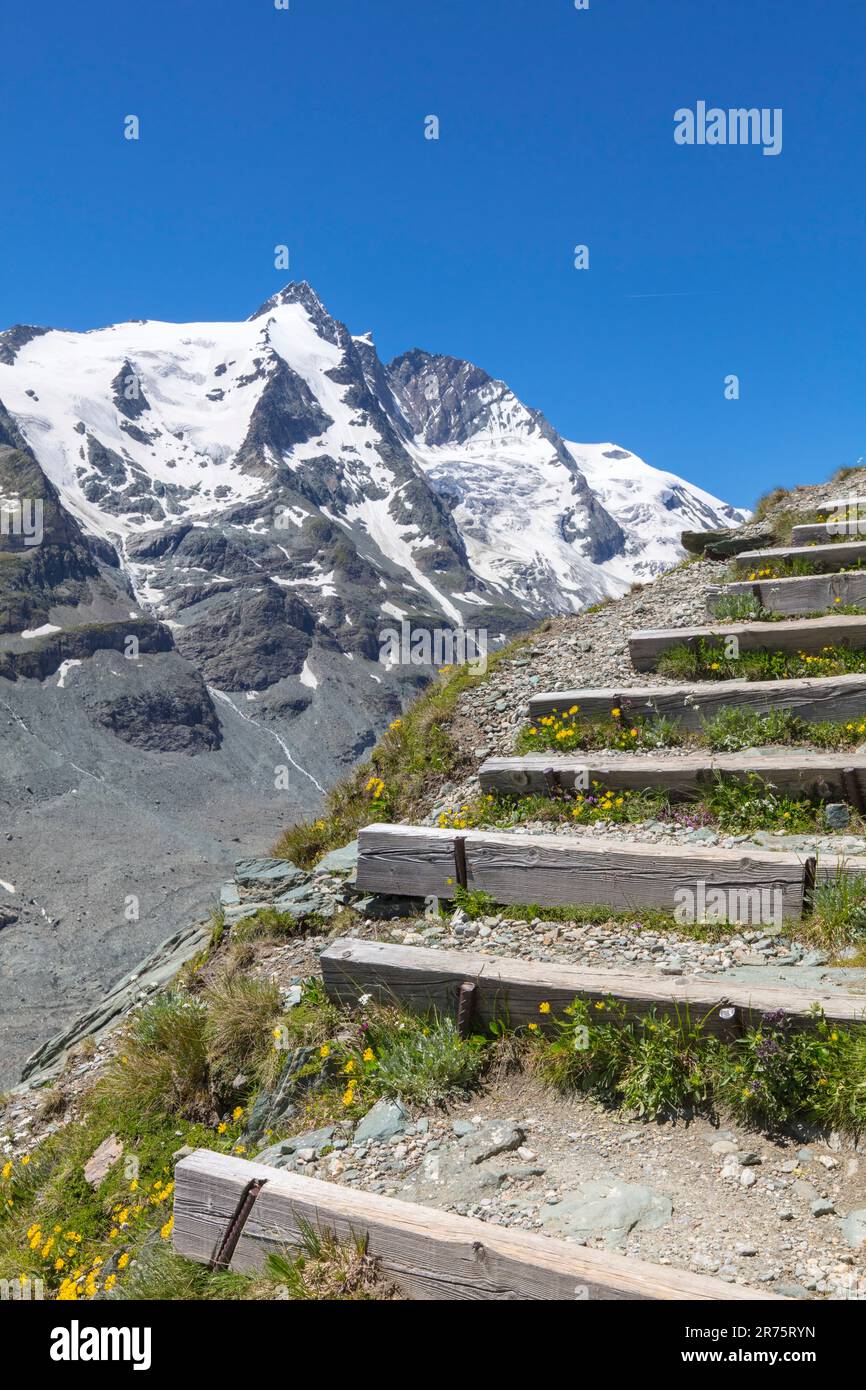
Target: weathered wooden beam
point(852, 527)
point(420, 864)
point(844, 517)
point(807, 593)
point(420, 979)
point(829, 697)
point(429, 1254)
point(831, 556)
point(415, 860)
point(570, 870)
point(799, 773)
point(560, 870)
point(806, 635)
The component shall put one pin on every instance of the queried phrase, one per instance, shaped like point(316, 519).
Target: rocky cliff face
point(231, 518)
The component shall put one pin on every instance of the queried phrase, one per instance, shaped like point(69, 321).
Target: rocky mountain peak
point(300, 292)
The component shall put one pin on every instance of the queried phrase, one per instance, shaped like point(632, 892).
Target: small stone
point(271, 872)
point(854, 1228)
point(823, 1207)
point(837, 815)
point(462, 1127)
point(496, 1138)
point(527, 1155)
point(748, 1177)
point(385, 1119)
point(706, 1262)
point(102, 1159)
point(339, 861)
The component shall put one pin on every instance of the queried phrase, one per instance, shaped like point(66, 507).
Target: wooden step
point(846, 516)
point(798, 772)
point(420, 980)
point(853, 527)
point(430, 1254)
point(830, 557)
point(808, 593)
point(572, 870)
point(806, 635)
point(839, 698)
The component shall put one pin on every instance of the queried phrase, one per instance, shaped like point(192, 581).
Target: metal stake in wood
point(466, 1007)
point(460, 871)
point(810, 873)
point(223, 1258)
point(853, 789)
point(551, 781)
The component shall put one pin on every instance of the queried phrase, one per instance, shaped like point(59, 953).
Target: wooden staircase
point(572, 869)
point(838, 698)
point(830, 776)
point(806, 593)
point(830, 557)
point(806, 635)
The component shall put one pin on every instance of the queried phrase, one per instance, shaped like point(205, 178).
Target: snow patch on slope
point(651, 505)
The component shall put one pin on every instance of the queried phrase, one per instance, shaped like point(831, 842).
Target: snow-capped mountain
point(235, 515)
point(285, 427)
point(652, 507)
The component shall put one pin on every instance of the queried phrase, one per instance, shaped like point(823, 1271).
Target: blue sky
point(306, 127)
